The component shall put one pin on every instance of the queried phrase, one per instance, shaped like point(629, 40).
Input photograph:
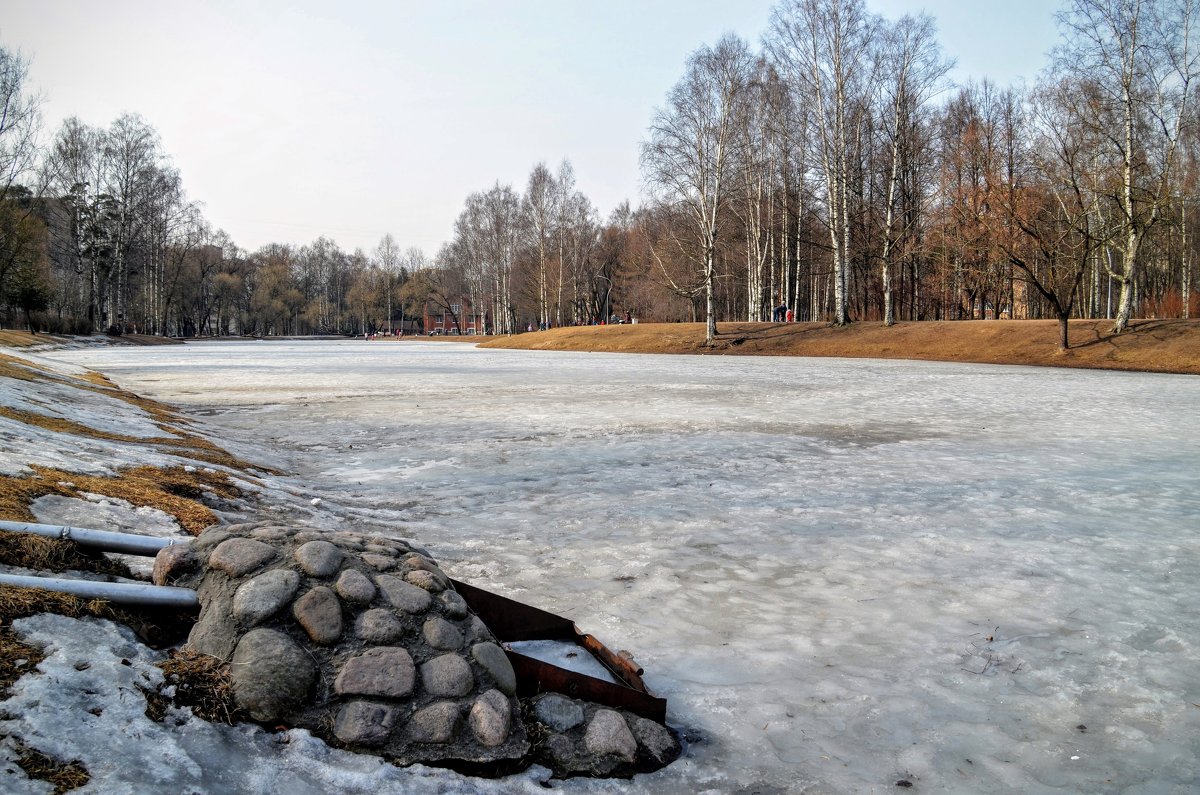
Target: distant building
point(458, 317)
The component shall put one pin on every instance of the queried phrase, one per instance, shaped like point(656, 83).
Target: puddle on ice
point(808, 557)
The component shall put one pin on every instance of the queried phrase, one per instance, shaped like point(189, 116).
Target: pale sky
point(294, 119)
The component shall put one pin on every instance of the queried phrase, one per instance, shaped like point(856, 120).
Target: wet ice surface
point(840, 573)
point(563, 654)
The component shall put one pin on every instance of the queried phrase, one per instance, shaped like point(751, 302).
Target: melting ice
point(842, 574)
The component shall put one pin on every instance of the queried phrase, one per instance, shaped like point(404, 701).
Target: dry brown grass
point(16, 659)
point(183, 443)
point(204, 683)
point(52, 554)
point(1167, 346)
point(173, 490)
point(24, 602)
point(65, 776)
point(156, 627)
point(60, 425)
point(176, 440)
point(23, 339)
point(21, 369)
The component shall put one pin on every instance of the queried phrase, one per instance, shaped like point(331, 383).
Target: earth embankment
point(1164, 346)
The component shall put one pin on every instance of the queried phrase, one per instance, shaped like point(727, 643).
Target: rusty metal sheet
point(511, 621)
point(535, 676)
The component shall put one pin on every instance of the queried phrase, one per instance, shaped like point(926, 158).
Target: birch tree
point(541, 209)
point(823, 47)
point(691, 158)
point(1143, 57)
point(20, 122)
point(387, 259)
point(912, 71)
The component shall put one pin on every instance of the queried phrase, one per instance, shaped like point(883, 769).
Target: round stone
point(654, 738)
point(379, 562)
point(493, 660)
point(454, 605)
point(320, 614)
point(240, 556)
point(350, 541)
point(173, 562)
point(215, 633)
point(402, 595)
point(272, 532)
point(378, 626)
point(270, 674)
point(319, 558)
point(437, 723)
point(420, 562)
point(558, 712)
point(447, 675)
point(259, 598)
point(424, 579)
point(375, 548)
point(211, 537)
point(491, 718)
point(385, 671)
point(356, 587)
point(609, 734)
point(441, 634)
point(561, 750)
point(477, 631)
point(365, 723)
point(239, 528)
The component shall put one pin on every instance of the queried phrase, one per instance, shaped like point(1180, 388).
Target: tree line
point(833, 170)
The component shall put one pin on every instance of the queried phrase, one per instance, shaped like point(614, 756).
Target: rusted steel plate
point(511, 621)
point(535, 676)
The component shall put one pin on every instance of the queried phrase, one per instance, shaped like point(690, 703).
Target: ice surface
point(840, 573)
point(564, 654)
point(22, 444)
point(100, 512)
point(52, 397)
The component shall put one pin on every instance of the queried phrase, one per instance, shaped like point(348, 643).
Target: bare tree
point(1049, 226)
point(754, 203)
point(823, 47)
point(912, 71)
point(387, 259)
point(1143, 57)
point(540, 208)
point(21, 236)
point(20, 121)
point(691, 158)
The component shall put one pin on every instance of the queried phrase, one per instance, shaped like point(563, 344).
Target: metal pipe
point(126, 593)
point(128, 543)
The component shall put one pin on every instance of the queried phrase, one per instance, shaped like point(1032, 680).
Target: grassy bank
point(1164, 346)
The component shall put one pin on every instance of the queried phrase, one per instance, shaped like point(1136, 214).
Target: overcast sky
point(291, 120)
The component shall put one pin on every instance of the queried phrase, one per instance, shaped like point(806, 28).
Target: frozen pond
point(842, 574)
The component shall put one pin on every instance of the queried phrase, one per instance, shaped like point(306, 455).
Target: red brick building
point(457, 318)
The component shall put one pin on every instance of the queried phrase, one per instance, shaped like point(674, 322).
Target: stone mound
point(363, 641)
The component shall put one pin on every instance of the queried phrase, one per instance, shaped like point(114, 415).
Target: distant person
point(628, 317)
point(790, 316)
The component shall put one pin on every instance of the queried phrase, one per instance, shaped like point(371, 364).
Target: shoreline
point(1152, 346)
